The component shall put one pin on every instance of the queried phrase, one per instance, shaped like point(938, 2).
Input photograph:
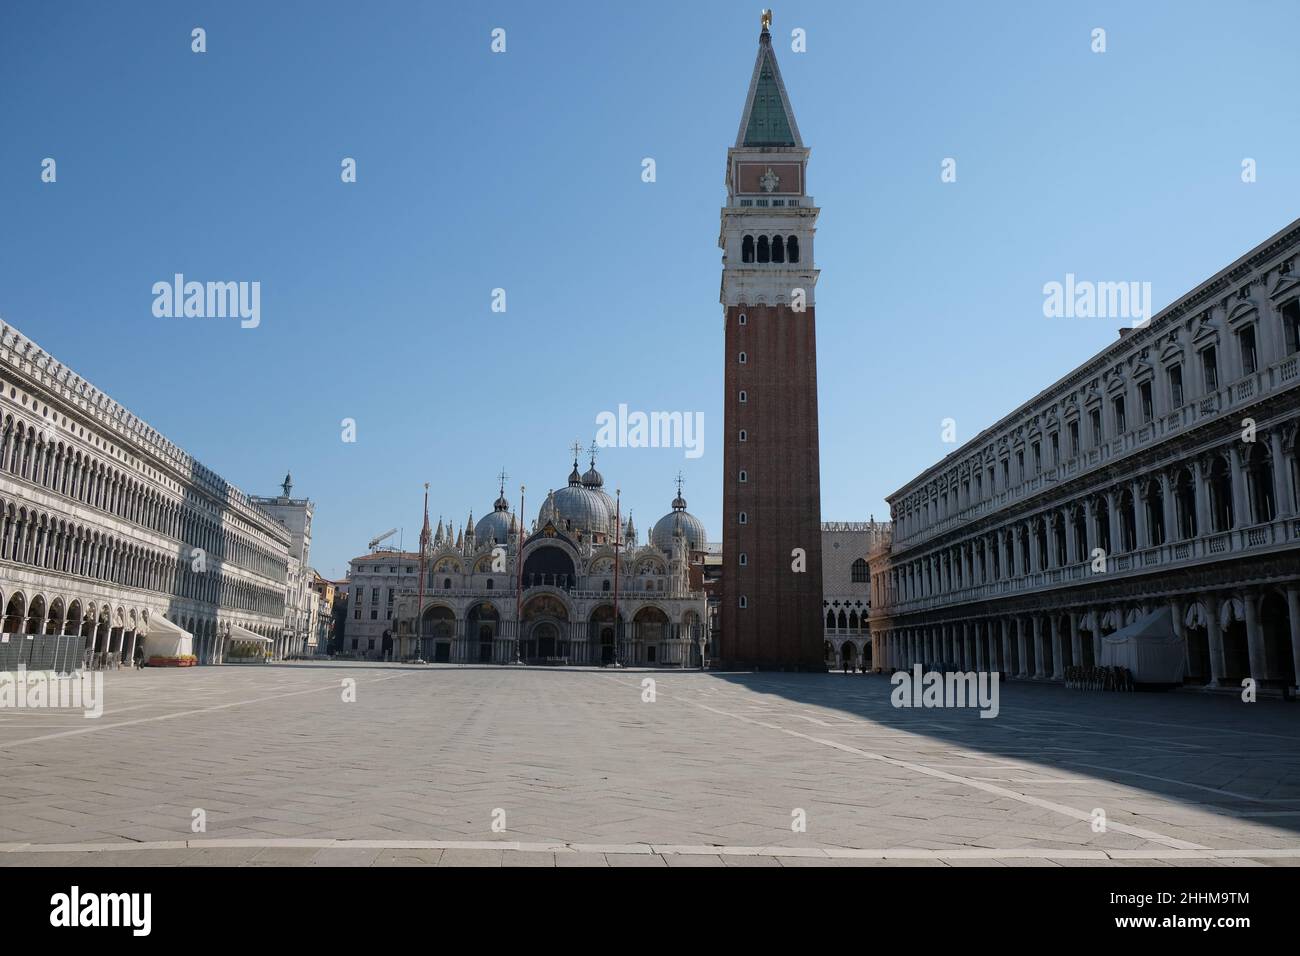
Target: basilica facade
point(577, 586)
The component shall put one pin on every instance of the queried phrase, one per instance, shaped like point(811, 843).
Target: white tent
point(166, 639)
point(244, 644)
point(1149, 648)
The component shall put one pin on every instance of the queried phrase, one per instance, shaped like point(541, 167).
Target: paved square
point(581, 771)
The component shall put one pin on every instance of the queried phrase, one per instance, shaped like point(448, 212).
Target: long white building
point(1156, 482)
point(106, 526)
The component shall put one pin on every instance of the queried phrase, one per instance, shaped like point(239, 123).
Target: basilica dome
point(495, 527)
point(594, 482)
point(691, 527)
point(577, 508)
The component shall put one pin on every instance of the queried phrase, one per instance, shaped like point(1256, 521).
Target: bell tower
point(772, 581)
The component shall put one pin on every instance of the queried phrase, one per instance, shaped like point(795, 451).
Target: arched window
point(792, 248)
point(744, 359)
point(747, 250)
point(744, 559)
point(1259, 483)
point(1155, 512)
point(744, 601)
point(778, 249)
point(744, 518)
point(489, 584)
point(604, 586)
point(744, 476)
point(744, 435)
point(764, 251)
point(744, 396)
point(744, 319)
point(859, 571)
point(446, 584)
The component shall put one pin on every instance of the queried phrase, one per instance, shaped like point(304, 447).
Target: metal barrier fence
point(63, 653)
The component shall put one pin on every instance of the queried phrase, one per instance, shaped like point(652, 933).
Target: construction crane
point(374, 542)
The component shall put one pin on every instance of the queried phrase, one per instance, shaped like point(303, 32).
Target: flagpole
point(519, 578)
point(618, 541)
point(419, 609)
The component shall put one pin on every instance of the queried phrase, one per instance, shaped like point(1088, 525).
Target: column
point(1006, 647)
point(1071, 541)
point(1140, 516)
point(1281, 478)
point(1112, 513)
point(1203, 526)
point(1021, 645)
point(1076, 640)
point(1240, 514)
point(1215, 635)
point(1176, 612)
point(1293, 614)
point(980, 663)
point(1254, 638)
point(1058, 672)
point(1089, 532)
point(1039, 642)
point(1097, 614)
point(1171, 514)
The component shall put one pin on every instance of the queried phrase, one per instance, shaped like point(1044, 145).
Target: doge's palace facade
point(106, 525)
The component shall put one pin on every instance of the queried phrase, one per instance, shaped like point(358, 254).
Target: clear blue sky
point(523, 170)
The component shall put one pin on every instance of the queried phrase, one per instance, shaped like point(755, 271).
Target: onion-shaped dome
point(576, 508)
point(594, 482)
point(493, 528)
point(498, 525)
point(679, 518)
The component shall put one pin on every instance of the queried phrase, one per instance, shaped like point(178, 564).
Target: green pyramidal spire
point(768, 120)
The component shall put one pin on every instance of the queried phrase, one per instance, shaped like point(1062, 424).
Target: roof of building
point(767, 119)
point(387, 556)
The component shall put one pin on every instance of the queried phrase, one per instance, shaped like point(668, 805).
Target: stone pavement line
point(1160, 723)
point(657, 849)
point(1181, 783)
point(184, 713)
point(968, 782)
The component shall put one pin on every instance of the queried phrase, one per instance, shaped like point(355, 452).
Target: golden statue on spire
point(767, 19)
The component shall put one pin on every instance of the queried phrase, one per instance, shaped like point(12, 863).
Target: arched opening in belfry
point(778, 249)
point(792, 249)
point(747, 249)
point(764, 251)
